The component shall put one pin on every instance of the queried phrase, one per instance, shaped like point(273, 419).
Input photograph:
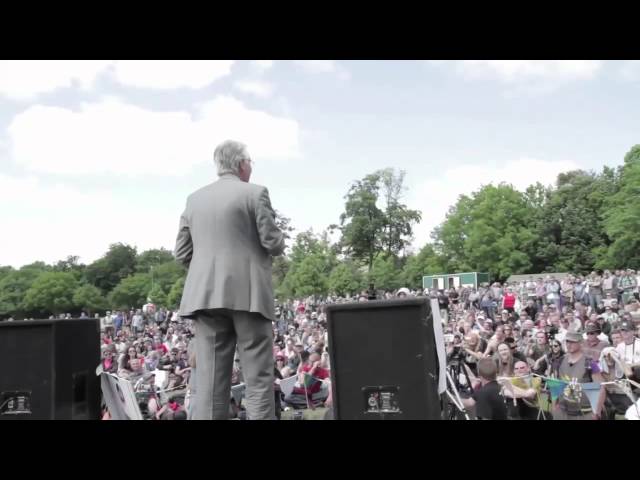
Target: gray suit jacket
point(227, 237)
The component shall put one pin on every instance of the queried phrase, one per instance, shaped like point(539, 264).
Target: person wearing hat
point(593, 344)
point(629, 348)
point(576, 365)
point(402, 293)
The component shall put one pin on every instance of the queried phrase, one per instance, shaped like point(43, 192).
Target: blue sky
point(96, 152)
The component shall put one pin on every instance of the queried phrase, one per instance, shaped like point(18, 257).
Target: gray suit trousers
point(216, 335)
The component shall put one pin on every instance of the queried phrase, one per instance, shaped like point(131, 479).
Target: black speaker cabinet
point(383, 360)
point(48, 369)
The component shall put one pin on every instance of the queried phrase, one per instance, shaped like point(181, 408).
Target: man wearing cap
point(593, 345)
point(576, 366)
point(629, 348)
point(227, 237)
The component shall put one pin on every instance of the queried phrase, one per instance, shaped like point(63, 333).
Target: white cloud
point(25, 79)
point(441, 191)
point(171, 74)
point(51, 222)
point(257, 88)
point(265, 64)
point(323, 66)
point(510, 71)
point(115, 137)
point(630, 70)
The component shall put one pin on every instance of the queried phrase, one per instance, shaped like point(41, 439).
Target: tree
point(51, 292)
point(284, 224)
point(132, 291)
point(157, 295)
point(426, 262)
point(362, 222)
point(310, 276)
point(399, 220)
point(311, 262)
point(167, 274)
point(153, 258)
point(488, 231)
point(385, 274)
point(118, 263)
point(345, 279)
point(14, 285)
point(568, 223)
point(280, 269)
point(175, 294)
point(622, 216)
point(368, 230)
point(89, 299)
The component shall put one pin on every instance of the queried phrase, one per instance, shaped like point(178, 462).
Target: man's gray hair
point(228, 156)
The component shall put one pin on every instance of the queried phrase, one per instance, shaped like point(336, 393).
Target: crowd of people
point(545, 348)
point(508, 341)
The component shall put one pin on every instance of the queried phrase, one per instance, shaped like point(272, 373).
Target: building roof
point(525, 276)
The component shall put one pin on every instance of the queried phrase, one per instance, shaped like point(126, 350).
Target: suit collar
point(229, 176)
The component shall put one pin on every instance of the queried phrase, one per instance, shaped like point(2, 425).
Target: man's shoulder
point(225, 187)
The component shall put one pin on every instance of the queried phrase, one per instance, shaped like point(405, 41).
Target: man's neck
point(574, 357)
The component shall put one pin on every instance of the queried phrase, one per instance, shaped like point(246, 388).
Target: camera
point(551, 332)
point(456, 357)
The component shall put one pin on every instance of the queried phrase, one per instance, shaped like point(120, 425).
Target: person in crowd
point(487, 400)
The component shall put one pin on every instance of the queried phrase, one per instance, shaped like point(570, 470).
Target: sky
point(99, 152)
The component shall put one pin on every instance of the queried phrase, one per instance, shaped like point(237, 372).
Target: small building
point(454, 280)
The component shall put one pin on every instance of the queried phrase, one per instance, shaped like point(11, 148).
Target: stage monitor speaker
point(383, 360)
point(48, 369)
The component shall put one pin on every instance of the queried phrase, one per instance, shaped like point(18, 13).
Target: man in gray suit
point(227, 237)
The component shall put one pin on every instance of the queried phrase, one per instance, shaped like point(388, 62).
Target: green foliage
point(280, 269)
point(132, 291)
point(13, 287)
point(568, 226)
point(426, 262)
point(284, 224)
point(311, 262)
point(153, 258)
point(175, 294)
point(51, 292)
point(89, 299)
point(167, 274)
point(488, 231)
point(118, 263)
point(367, 230)
point(385, 273)
point(622, 216)
point(346, 279)
point(157, 295)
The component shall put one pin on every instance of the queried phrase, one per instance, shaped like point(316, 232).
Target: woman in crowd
point(109, 363)
point(505, 361)
point(548, 365)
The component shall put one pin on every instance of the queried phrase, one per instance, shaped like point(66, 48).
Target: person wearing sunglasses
point(549, 364)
